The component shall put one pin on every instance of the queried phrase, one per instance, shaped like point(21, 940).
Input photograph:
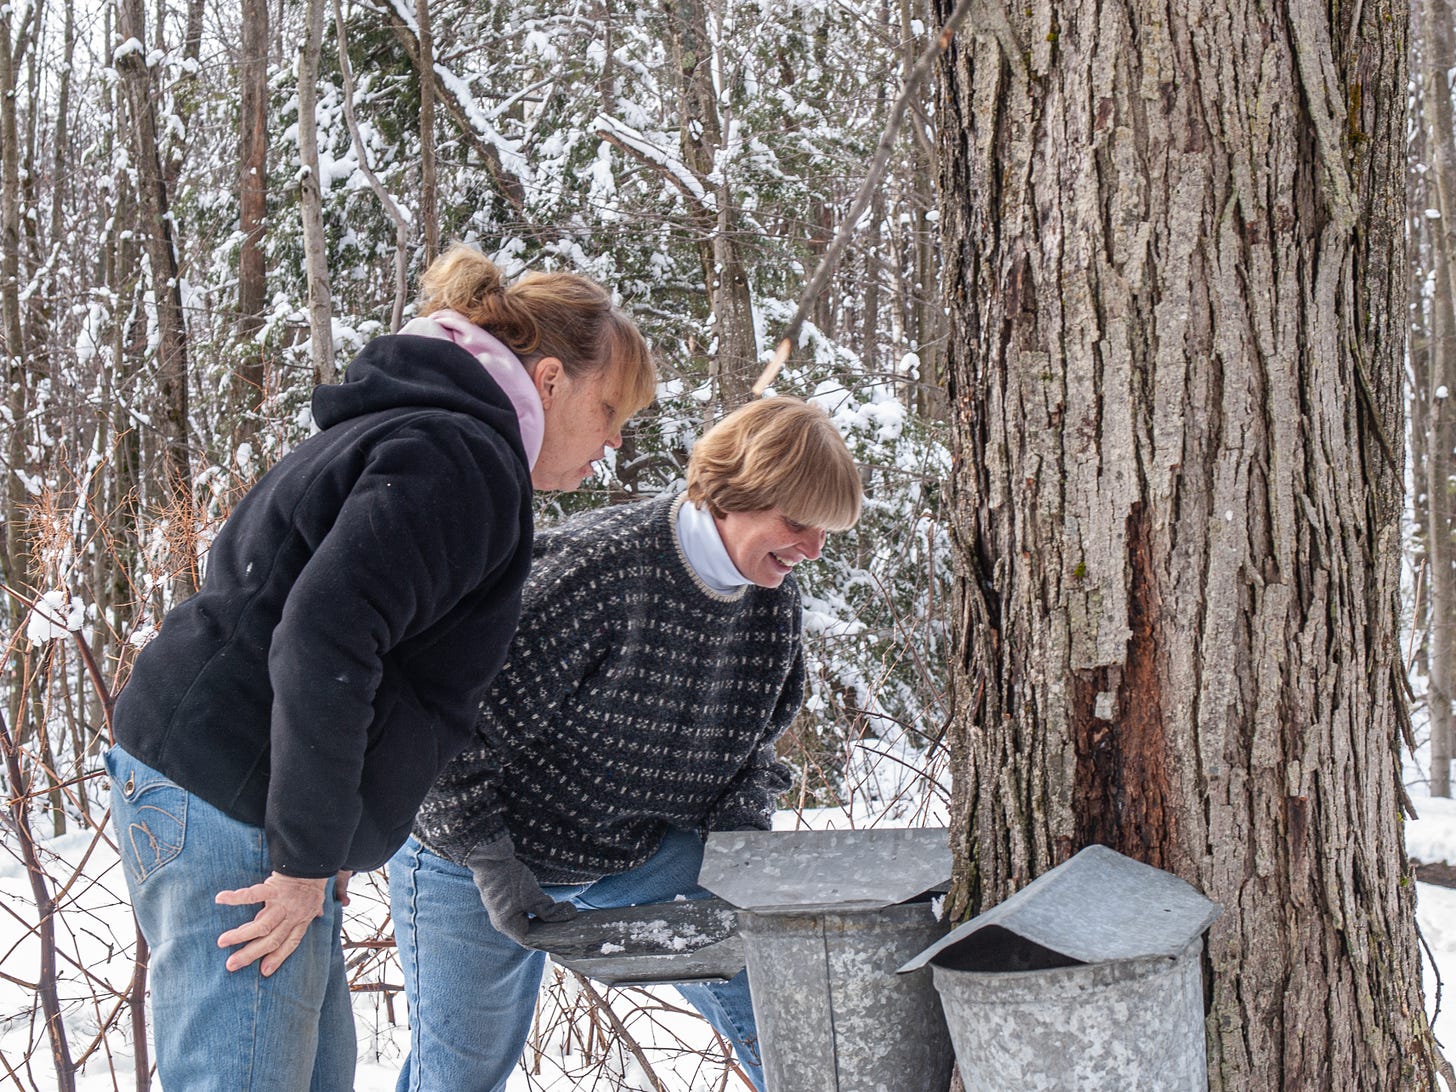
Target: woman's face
point(581, 423)
point(766, 545)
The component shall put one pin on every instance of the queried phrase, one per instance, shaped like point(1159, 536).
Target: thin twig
point(621, 1029)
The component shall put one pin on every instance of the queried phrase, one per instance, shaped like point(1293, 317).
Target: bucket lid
point(804, 871)
point(1098, 907)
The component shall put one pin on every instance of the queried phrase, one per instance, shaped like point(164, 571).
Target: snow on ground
point(1431, 838)
point(96, 934)
point(1436, 912)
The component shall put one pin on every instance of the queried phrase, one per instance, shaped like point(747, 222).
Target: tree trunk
point(315, 255)
point(14, 565)
point(1418, 395)
point(429, 212)
point(1438, 54)
point(184, 91)
point(1175, 268)
point(735, 363)
point(156, 230)
point(925, 317)
point(869, 322)
point(252, 207)
point(15, 560)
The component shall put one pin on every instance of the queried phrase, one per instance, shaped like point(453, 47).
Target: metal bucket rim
point(1072, 982)
point(895, 917)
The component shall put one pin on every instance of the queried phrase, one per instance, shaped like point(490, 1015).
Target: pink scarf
point(502, 364)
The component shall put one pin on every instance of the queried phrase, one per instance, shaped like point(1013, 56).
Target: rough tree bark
point(315, 255)
point(1438, 55)
point(1175, 267)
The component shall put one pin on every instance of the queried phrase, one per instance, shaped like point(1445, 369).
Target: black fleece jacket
point(357, 603)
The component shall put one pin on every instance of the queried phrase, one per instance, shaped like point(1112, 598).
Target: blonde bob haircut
point(546, 314)
point(777, 453)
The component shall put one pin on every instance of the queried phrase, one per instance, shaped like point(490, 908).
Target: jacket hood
point(402, 371)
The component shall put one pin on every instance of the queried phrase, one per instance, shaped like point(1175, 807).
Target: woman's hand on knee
point(290, 904)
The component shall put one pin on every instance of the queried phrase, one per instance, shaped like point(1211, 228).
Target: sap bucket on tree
point(827, 917)
point(1088, 978)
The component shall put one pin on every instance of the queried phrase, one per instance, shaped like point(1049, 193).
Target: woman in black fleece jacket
point(282, 729)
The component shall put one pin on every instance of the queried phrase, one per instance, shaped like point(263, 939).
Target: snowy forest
point(1140, 327)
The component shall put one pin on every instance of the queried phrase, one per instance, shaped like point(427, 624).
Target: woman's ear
point(548, 377)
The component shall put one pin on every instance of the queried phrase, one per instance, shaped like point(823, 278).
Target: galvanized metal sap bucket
point(824, 926)
point(1088, 978)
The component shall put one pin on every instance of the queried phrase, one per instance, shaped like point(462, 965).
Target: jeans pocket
point(149, 811)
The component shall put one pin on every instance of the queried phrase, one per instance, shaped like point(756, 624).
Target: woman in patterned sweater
point(657, 661)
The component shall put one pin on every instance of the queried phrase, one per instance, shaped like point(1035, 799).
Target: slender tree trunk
point(925, 319)
point(735, 364)
point(116, 436)
point(184, 91)
point(1438, 54)
point(252, 207)
point(156, 225)
point(15, 561)
point(929, 316)
point(869, 331)
point(1418, 392)
point(315, 256)
point(61, 149)
point(429, 212)
point(1175, 268)
point(15, 564)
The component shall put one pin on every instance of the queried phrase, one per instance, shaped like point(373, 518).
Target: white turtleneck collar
point(703, 547)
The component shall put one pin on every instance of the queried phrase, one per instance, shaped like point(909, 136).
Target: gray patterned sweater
point(635, 699)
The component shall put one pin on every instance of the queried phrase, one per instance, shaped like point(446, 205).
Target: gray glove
point(509, 891)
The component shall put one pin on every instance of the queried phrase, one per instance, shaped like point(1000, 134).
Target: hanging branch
point(878, 164)
point(401, 225)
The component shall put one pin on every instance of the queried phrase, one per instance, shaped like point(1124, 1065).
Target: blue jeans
point(472, 991)
point(215, 1030)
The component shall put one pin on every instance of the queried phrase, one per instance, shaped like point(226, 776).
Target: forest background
point(205, 209)
point(208, 209)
